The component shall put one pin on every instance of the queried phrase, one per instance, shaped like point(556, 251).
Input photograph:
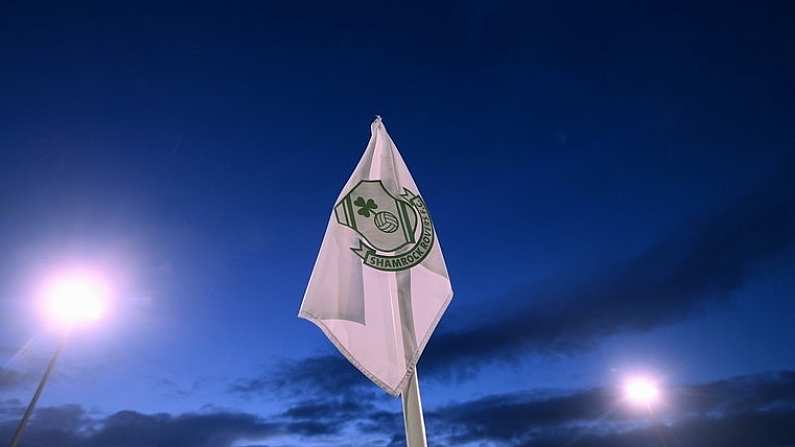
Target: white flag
point(380, 285)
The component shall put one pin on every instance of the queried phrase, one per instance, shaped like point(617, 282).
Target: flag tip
point(376, 124)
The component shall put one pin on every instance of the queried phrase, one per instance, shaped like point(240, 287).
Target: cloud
point(129, 428)
point(513, 416)
point(739, 395)
point(317, 409)
point(326, 418)
point(327, 415)
point(750, 410)
point(326, 374)
point(343, 397)
point(65, 417)
point(594, 417)
point(71, 426)
point(706, 261)
point(771, 429)
point(49, 425)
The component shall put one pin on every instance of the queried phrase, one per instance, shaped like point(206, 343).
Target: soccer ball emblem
point(386, 222)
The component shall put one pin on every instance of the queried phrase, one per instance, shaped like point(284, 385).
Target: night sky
point(613, 186)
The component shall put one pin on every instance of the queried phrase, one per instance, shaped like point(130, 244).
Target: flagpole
point(413, 420)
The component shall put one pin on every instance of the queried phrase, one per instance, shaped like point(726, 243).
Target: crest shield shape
point(386, 222)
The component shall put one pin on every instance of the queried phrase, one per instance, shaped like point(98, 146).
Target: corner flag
point(380, 284)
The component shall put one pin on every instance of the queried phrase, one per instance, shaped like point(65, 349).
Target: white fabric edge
point(398, 390)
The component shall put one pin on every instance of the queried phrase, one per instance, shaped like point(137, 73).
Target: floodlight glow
point(641, 391)
point(74, 298)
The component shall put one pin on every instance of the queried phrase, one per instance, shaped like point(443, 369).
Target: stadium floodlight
point(641, 391)
point(68, 299)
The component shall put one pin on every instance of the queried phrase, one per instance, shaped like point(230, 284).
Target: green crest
point(397, 232)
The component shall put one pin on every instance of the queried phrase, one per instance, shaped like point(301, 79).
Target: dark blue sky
point(612, 185)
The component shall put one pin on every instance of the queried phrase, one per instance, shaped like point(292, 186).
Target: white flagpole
point(412, 414)
point(413, 420)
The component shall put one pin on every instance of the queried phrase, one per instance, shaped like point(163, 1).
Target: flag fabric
point(380, 284)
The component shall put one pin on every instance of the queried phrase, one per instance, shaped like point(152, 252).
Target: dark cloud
point(312, 428)
point(768, 429)
point(70, 425)
point(513, 416)
point(65, 417)
point(755, 410)
point(129, 428)
point(704, 262)
point(379, 421)
point(61, 426)
point(723, 412)
point(326, 374)
point(342, 397)
point(322, 408)
point(705, 414)
point(739, 395)
point(327, 415)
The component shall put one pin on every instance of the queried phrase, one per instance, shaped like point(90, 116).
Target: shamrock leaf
point(365, 208)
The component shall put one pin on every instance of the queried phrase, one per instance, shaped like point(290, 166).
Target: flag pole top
point(377, 123)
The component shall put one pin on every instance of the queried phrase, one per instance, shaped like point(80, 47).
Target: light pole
point(37, 394)
point(68, 300)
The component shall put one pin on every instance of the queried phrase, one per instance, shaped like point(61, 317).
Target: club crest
point(397, 232)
